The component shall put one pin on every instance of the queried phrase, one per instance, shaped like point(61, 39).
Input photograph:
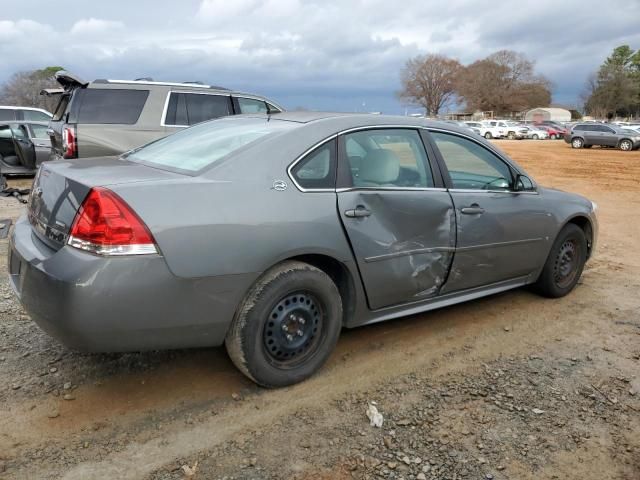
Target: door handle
point(358, 212)
point(473, 209)
point(50, 132)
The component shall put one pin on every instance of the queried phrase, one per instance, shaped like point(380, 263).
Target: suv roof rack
point(148, 81)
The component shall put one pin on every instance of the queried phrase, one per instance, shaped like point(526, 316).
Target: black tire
point(488, 135)
point(535, 136)
point(511, 136)
point(577, 142)
point(263, 321)
point(565, 263)
point(553, 136)
point(626, 145)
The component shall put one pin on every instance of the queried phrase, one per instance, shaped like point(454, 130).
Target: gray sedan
point(270, 233)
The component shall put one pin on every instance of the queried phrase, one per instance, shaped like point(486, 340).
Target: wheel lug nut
point(289, 337)
point(301, 320)
point(300, 333)
point(284, 327)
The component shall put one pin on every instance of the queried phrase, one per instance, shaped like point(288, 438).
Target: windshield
point(198, 147)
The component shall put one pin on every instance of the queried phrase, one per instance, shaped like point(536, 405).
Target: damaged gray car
point(271, 233)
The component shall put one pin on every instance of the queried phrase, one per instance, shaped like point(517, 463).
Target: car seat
point(379, 168)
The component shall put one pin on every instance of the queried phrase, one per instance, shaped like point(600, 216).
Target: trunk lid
point(60, 188)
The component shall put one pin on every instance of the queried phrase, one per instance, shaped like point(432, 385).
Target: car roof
point(7, 107)
point(24, 122)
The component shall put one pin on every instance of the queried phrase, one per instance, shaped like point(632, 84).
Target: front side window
point(111, 106)
point(250, 105)
point(40, 131)
point(199, 147)
point(387, 158)
point(318, 169)
point(470, 165)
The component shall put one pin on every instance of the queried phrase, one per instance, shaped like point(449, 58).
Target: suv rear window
point(199, 147)
point(186, 109)
point(111, 106)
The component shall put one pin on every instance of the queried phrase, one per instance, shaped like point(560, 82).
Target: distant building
point(550, 113)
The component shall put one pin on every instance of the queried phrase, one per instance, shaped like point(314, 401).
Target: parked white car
point(511, 130)
point(536, 133)
point(487, 131)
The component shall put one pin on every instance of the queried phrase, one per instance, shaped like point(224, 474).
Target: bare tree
point(23, 89)
point(503, 82)
point(429, 81)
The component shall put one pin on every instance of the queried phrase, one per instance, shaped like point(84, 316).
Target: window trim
point(302, 157)
point(268, 103)
point(428, 146)
point(163, 118)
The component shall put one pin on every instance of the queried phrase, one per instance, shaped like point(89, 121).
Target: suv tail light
point(69, 142)
point(106, 225)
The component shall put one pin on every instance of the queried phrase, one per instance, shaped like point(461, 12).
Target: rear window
point(199, 147)
point(111, 106)
point(35, 116)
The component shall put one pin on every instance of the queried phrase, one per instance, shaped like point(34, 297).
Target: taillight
point(69, 142)
point(106, 225)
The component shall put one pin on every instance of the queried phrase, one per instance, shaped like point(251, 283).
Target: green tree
point(615, 89)
point(23, 88)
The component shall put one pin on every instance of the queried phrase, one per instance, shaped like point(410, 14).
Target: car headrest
point(379, 166)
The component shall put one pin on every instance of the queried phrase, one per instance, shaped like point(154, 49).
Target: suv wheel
point(625, 145)
point(488, 135)
point(287, 325)
point(511, 136)
point(577, 142)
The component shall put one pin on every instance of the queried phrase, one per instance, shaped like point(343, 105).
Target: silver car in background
point(270, 233)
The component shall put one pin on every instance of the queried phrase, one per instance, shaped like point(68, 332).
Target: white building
point(548, 113)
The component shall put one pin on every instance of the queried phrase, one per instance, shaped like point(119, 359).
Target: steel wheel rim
point(566, 265)
point(293, 330)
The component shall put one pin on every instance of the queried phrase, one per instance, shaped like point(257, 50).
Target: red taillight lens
point(69, 143)
point(106, 225)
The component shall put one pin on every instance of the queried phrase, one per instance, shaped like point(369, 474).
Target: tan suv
point(109, 117)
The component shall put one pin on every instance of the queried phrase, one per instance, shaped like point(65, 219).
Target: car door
point(41, 142)
point(501, 234)
point(608, 136)
point(25, 149)
point(398, 217)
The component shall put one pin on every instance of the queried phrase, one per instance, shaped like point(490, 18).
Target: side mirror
point(524, 184)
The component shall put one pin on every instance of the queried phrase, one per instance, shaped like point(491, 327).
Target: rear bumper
point(93, 303)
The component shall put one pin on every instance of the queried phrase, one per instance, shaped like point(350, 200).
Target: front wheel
point(553, 137)
point(488, 135)
point(565, 263)
point(577, 143)
point(511, 136)
point(626, 145)
point(287, 325)
point(535, 136)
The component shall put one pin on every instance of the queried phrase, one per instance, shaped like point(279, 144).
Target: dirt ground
point(508, 387)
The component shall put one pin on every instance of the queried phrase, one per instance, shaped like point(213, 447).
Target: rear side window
point(40, 131)
point(7, 114)
point(318, 169)
point(186, 109)
point(111, 106)
point(35, 116)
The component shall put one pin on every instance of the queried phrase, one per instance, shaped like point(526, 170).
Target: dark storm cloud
point(333, 55)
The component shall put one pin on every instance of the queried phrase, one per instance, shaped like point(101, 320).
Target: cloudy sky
point(333, 55)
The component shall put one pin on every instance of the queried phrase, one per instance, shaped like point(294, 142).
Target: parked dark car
point(270, 233)
point(23, 147)
point(585, 135)
point(109, 117)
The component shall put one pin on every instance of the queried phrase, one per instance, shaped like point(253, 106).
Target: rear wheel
point(287, 325)
point(488, 135)
point(553, 136)
point(535, 136)
point(625, 145)
point(511, 136)
point(577, 142)
point(565, 263)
